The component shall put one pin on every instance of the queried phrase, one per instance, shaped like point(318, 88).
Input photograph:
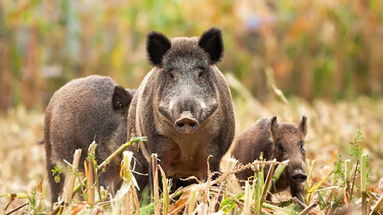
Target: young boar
point(83, 110)
point(280, 141)
point(183, 106)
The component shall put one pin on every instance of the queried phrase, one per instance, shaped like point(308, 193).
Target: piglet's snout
point(299, 176)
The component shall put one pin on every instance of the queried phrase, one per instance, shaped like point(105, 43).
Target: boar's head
point(186, 93)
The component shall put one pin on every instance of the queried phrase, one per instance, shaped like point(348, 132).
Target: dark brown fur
point(83, 110)
point(280, 141)
point(181, 155)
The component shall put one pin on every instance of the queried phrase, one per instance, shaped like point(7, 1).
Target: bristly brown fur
point(83, 110)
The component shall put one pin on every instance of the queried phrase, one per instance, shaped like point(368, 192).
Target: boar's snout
point(186, 123)
point(298, 176)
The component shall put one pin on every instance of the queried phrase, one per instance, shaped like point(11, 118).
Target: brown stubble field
point(332, 126)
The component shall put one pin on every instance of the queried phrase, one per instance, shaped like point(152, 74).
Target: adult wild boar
point(83, 110)
point(183, 106)
point(280, 141)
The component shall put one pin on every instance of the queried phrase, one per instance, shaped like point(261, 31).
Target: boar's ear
point(212, 43)
point(273, 125)
point(121, 98)
point(303, 125)
point(157, 45)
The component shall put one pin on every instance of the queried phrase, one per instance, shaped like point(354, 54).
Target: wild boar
point(183, 106)
point(83, 110)
point(280, 141)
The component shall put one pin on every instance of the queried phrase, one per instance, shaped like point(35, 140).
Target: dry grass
point(332, 126)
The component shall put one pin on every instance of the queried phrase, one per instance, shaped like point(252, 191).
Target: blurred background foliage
point(329, 49)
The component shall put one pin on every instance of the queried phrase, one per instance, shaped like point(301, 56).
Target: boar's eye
point(170, 75)
point(201, 71)
point(301, 146)
point(280, 148)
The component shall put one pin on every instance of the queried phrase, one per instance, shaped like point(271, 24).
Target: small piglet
point(280, 141)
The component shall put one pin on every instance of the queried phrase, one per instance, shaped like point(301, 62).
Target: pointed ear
point(212, 43)
point(156, 46)
point(121, 98)
point(303, 125)
point(273, 125)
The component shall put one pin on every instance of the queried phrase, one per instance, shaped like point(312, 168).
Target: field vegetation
point(319, 58)
point(344, 159)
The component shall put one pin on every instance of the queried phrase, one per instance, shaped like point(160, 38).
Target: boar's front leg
point(297, 190)
point(166, 151)
point(217, 149)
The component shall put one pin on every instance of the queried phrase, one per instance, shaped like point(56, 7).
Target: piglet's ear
point(156, 46)
point(303, 125)
point(121, 98)
point(211, 42)
point(273, 125)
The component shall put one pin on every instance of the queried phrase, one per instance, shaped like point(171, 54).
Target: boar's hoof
point(186, 125)
point(299, 176)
